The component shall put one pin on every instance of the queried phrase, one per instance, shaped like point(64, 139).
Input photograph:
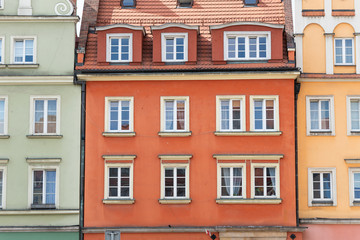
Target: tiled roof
point(204, 13)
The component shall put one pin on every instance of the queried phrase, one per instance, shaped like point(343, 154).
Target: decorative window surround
point(353, 115)
point(321, 202)
point(3, 175)
point(234, 107)
point(330, 131)
point(43, 160)
point(4, 161)
point(276, 176)
point(354, 180)
point(122, 51)
point(178, 50)
point(352, 161)
point(248, 156)
point(123, 114)
point(341, 47)
point(4, 111)
point(264, 119)
point(24, 61)
point(119, 157)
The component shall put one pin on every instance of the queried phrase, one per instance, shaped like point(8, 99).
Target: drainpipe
point(297, 87)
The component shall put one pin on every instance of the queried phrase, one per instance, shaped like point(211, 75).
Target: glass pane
point(181, 192)
point(169, 192)
point(125, 192)
point(113, 192)
point(128, 3)
point(38, 187)
point(125, 172)
point(50, 187)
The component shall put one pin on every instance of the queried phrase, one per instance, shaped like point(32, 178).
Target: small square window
point(322, 187)
point(119, 181)
point(45, 115)
point(128, 3)
point(23, 50)
point(265, 180)
point(174, 114)
point(264, 113)
point(174, 47)
point(119, 114)
point(320, 115)
point(354, 174)
point(231, 180)
point(344, 51)
point(44, 188)
point(353, 114)
point(3, 115)
point(119, 48)
point(230, 113)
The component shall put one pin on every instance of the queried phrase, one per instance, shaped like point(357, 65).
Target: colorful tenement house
point(327, 36)
point(39, 121)
point(190, 122)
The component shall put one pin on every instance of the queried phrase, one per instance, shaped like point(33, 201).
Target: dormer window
point(119, 48)
point(185, 3)
point(174, 47)
point(128, 3)
point(251, 2)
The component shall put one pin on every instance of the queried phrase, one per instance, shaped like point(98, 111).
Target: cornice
point(35, 80)
point(16, 18)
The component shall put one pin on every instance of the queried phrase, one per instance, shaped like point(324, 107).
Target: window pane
point(231, 47)
point(180, 116)
point(314, 114)
point(270, 121)
point(128, 3)
point(181, 192)
point(38, 187)
point(2, 116)
point(50, 187)
point(253, 47)
point(225, 115)
point(258, 105)
point(51, 128)
point(125, 192)
point(241, 47)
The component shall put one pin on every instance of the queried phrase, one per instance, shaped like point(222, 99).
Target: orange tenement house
point(190, 120)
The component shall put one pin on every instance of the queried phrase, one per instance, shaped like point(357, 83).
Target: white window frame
point(276, 113)
point(231, 165)
point(187, 179)
point(43, 167)
point(162, 113)
point(109, 165)
point(350, 131)
point(3, 199)
point(107, 113)
point(311, 201)
point(277, 179)
point(344, 51)
point(247, 35)
point(12, 49)
point(2, 52)
point(6, 116)
point(352, 171)
point(2, 4)
point(330, 131)
point(164, 36)
point(32, 113)
point(119, 36)
point(242, 112)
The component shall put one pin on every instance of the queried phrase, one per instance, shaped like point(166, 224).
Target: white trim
point(310, 132)
point(329, 55)
point(107, 114)
point(43, 160)
point(6, 115)
point(248, 156)
point(128, 26)
point(2, 4)
point(3, 199)
point(357, 53)
point(175, 157)
point(279, 26)
point(332, 172)
point(276, 112)
point(119, 157)
point(247, 35)
point(12, 49)
point(2, 52)
point(352, 171)
point(119, 36)
point(162, 113)
point(164, 36)
point(187, 180)
point(348, 117)
point(243, 178)
point(39, 19)
point(44, 167)
point(33, 80)
point(106, 180)
point(277, 179)
point(40, 212)
point(343, 48)
point(32, 113)
point(179, 25)
point(242, 99)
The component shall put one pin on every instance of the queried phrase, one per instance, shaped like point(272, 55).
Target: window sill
point(249, 133)
point(2, 66)
point(322, 133)
point(174, 134)
point(175, 201)
point(356, 203)
point(118, 201)
point(4, 160)
point(322, 203)
point(118, 134)
point(249, 201)
point(23, 65)
point(354, 133)
point(4, 136)
point(345, 65)
point(44, 136)
point(42, 206)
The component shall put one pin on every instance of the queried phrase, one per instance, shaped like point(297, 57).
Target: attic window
point(185, 3)
point(128, 3)
point(251, 2)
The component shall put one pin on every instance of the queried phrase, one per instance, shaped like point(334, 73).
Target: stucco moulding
point(352, 161)
point(119, 134)
point(64, 8)
point(249, 201)
point(33, 80)
point(119, 157)
point(119, 201)
point(4, 160)
point(248, 156)
point(38, 19)
point(43, 160)
point(251, 133)
point(4, 136)
point(175, 156)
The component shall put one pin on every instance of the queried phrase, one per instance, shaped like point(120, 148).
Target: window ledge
point(175, 201)
point(118, 134)
point(2, 66)
point(356, 203)
point(40, 212)
point(42, 206)
point(249, 201)
point(118, 201)
point(174, 134)
point(23, 65)
point(322, 203)
point(249, 133)
point(345, 65)
point(354, 133)
point(4, 136)
point(322, 133)
point(44, 136)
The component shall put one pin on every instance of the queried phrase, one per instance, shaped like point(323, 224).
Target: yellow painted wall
point(328, 151)
point(313, 4)
point(314, 55)
point(342, 4)
point(344, 30)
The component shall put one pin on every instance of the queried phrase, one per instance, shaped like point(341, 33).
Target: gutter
point(297, 87)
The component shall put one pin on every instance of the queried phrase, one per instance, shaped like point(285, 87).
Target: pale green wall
point(54, 50)
point(39, 236)
point(40, 7)
point(18, 147)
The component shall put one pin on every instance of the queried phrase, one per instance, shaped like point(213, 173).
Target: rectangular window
point(128, 3)
point(185, 3)
point(344, 51)
point(320, 115)
point(45, 115)
point(2, 188)
point(24, 51)
point(251, 2)
point(3, 115)
point(247, 45)
point(265, 182)
point(119, 182)
point(230, 113)
point(354, 174)
point(119, 47)
point(175, 113)
point(231, 182)
point(353, 114)
point(174, 47)
point(264, 113)
point(119, 114)
point(1, 48)
point(322, 187)
point(175, 182)
point(44, 187)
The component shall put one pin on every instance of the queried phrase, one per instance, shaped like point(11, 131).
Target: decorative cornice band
point(330, 220)
point(248, 156)
point(35, 80)
point(128, 26)
point(246, 23)
point(43, 160)
point(40, 212)
point(38, 19)
point(4, 160)
point(119, 157)
point(175, 156)
point(39, 229)
point(352, 161)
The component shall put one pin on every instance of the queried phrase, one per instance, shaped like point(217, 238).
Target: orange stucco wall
point(332, 232)
point(202, 144)
point(342, 4)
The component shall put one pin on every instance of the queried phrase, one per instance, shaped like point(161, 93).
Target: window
point(251, 2)
point(354, 174)
point(175, 114)
point(3, 115)
point(231, 180)
point(247, 45)
point(265, 181)
point(2, 187)
point(344, 51)
point(44, 188)
point(128, 3)
point(45, 115)
point(119, 48)
point(174, 47)
point(320, 115)
point(185, 3)
point(23, 50)
point(353, 113)
point(264, 113)
point(1, 4)
point(2, 49)
point(322, 186)
point(119, 114)
point(119, 181)
point(230, 113)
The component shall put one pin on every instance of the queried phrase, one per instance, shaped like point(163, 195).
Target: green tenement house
point(40, 110)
